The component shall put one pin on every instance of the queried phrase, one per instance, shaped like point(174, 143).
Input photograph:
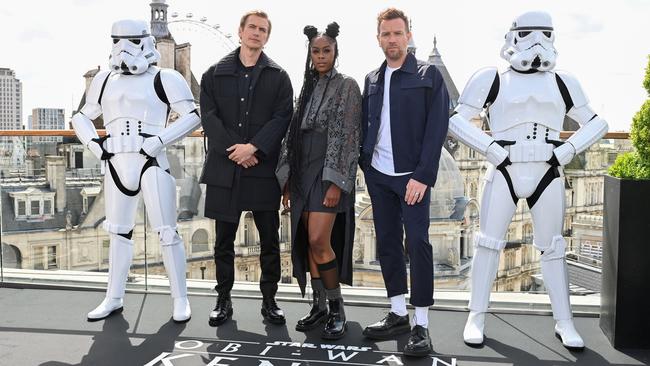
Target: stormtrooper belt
point(151, 162)
point(524, 152)
point(552, 173)
point(116, 178)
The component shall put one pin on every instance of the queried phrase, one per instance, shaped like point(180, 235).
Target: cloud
point(584, 23)
point(85, 3)
point(34, 34)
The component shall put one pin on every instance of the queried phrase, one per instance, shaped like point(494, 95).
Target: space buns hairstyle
point(309, 82)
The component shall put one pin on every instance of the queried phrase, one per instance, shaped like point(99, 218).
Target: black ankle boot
point(336, 325)
point(316, 315)
point(222, 311)
point(271, 312)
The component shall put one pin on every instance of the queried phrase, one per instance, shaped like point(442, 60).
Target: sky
point(605, 44)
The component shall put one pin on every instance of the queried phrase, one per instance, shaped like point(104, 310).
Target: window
point(106, 244)
point(45, 257)
point(47, 207)
point(246, 233)
point(285, 226)
point(248, 229)
point(510, 259)
point(51, 257)
point(35, 207)
point(21, 208)
point(200, 241)
point(528, 233)
point(78, 159)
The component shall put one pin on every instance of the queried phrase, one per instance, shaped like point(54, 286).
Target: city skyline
point(55, 54)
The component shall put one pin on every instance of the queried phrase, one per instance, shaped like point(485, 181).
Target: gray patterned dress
point(330, 133)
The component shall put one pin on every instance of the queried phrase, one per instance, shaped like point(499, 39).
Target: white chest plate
point(527, 98)
point(133, 98)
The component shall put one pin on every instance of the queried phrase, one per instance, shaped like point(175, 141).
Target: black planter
point(625, 293)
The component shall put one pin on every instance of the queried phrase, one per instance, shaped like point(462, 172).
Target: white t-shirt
point(382, 157)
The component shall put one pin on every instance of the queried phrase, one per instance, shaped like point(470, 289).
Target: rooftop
point(48, 327)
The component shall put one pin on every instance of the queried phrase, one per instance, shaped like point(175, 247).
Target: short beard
point(398, 56)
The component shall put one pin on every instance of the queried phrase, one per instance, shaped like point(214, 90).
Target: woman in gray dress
point(317, 171)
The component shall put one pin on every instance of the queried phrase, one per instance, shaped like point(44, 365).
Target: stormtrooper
point(135, 98)
point(525, 106)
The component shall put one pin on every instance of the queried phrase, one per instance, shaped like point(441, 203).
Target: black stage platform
point(48, 327)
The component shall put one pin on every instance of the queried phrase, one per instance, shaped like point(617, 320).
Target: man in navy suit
point(405, 119)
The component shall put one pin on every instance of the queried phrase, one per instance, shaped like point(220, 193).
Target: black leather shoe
point(419, 344)
point(387, 328)
point(222, 311)
point(336, 325)
point(315, 317)
point(271, 312)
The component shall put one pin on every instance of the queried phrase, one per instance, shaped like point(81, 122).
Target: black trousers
point(391, 216)
point(267, 223)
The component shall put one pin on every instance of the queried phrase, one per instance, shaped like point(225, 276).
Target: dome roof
point(449, 188)
point(447, 197)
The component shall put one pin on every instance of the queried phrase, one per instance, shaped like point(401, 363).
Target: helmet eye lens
point(135, 41)
point(115, 40)
point(547, 34)
point(523, 34)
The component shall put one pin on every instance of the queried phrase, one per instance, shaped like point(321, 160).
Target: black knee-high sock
point(329, 274)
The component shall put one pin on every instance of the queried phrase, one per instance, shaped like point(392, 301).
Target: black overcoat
point(260, 118)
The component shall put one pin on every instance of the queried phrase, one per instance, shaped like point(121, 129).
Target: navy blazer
point(419, 117)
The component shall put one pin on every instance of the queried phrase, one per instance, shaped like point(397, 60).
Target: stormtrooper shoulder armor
point(92, 108)
point(481, 89)
point(175, 91)
point(571, 90)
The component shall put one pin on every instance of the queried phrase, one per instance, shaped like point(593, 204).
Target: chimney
point(55, 174)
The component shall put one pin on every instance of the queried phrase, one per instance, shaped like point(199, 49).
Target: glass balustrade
point(53, 210)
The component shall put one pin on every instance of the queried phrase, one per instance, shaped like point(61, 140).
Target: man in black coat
point(246, 105)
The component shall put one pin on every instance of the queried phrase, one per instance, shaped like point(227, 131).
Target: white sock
point(421, 316)
point(398, 305)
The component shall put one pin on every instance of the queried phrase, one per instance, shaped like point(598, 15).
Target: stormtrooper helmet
point(529, 43)
point(134, 49)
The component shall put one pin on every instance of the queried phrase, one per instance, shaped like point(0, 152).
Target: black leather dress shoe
point(336, 324)
point(419, 344)
point(315, 317)
point(387, 328)
point(222, 311)
point(271, 312)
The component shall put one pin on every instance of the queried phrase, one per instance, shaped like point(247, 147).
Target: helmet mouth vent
point(125, 69)
point(536, 63)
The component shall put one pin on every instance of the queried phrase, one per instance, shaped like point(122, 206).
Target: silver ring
point(417, 193)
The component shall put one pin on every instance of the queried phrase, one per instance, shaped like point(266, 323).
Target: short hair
point(258, 13)
point(390, 14)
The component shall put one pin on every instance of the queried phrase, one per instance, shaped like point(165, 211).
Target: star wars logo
point(278, 353)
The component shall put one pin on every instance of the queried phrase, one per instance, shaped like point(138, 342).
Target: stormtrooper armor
point(134, 98)
point(525, 106)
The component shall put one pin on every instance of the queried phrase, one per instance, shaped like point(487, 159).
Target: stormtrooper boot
point(119, 262)
point(473, 332)
point(484, 271)
point(174, 260)
point(557, 284)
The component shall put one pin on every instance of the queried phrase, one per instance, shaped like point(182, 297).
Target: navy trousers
point(391, 217)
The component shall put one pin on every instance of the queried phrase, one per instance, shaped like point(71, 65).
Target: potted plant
point(625, 294)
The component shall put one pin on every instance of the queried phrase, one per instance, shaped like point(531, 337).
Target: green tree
point(636, 164)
